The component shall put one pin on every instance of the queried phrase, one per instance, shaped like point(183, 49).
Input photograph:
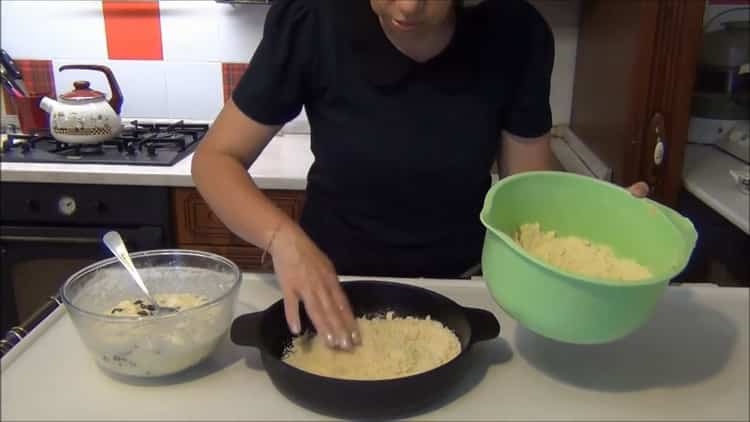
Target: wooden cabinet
point(197, 227)
point(635, 69)
point(635, 72)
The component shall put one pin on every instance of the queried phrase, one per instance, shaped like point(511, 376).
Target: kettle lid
point(83, 92)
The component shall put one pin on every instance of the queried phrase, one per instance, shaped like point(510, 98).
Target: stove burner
point(139, 143)
point(16, 140)
point(77, 149)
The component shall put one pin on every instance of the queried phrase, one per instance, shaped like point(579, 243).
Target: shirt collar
point(382, 64)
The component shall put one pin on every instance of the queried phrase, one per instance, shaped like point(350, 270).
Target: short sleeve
point(529, 114)
point(275, 85)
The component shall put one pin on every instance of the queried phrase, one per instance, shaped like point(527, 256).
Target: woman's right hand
point(220, 171)
point(306, 274)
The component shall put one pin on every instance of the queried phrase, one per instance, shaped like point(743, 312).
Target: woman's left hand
point(639, 189)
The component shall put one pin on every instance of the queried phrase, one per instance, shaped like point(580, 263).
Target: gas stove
point(139, 143)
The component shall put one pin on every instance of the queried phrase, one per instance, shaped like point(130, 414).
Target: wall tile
point(194, 90)
point(190, 30)
point(230, 75)
point(120, 17)
point(240, 31)
point(154, 89)
point(53, 29)
point(143, 85)
point(222, 32)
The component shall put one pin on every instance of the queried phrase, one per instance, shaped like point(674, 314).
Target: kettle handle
point(116, 100)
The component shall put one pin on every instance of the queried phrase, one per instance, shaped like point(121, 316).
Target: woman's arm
point(519, 154)
point(219, 171)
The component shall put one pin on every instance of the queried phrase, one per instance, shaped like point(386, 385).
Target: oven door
point(37, 260)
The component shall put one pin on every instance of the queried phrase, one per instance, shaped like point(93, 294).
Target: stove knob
point(33, 205)
point(66, 205)
point(739, 136)
point(100, 207)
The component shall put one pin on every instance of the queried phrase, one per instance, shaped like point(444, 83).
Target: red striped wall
point(133, 29)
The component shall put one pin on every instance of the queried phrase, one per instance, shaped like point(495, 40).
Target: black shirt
point(402, 149)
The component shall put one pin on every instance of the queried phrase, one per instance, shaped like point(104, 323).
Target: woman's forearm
point(526, 154)
point(225, 184)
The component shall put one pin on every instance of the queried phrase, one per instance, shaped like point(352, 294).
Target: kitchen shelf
point(706, 175)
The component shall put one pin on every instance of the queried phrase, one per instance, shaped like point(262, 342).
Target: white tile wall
point(224, 32)
point(53, 29)
point(143, 84)
point(194, 90)
point(197, 36)
point(154, 89)
point(240, 31)
point(190, 30)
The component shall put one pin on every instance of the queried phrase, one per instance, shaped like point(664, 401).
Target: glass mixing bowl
point(150, 346)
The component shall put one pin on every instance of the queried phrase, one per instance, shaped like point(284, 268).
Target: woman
point(409, 102)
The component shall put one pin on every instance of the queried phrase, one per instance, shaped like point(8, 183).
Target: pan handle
point(484, 324)
point(245, 329)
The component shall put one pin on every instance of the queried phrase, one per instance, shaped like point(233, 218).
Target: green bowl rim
point(588, 279)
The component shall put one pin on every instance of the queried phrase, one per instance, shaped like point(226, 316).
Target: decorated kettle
point(84, 115)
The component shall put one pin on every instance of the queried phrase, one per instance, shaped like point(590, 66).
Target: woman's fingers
point(291, 312)
point(307, 275)
point(336, 319)
point(639, 189)
point(317, 315)
point(345, 312)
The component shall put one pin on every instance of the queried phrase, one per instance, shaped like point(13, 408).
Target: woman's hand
point(219, 169)
point(306, 274)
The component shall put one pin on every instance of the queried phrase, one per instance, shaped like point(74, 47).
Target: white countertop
point(689, 362)
point(706, 175)
point(282, 165)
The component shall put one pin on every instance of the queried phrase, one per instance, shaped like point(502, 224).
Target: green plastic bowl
point(565, 306)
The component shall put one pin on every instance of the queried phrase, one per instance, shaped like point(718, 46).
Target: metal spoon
point(114, 242)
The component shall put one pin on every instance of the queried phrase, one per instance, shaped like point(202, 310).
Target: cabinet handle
point(49, 239)
point(17, 333)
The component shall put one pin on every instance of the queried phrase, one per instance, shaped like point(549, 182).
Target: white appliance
point(720, 109)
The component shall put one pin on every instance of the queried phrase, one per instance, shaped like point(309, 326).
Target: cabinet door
point(635, 69)
point(197, 227)
point(197, 224)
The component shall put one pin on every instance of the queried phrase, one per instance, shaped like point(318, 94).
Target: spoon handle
point(115, 244)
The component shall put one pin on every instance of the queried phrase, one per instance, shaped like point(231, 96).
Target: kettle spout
point(48, 104)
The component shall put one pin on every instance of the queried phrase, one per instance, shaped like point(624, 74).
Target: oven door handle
point(50, 239)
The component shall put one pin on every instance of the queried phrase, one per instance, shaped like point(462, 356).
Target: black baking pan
point(267, 330)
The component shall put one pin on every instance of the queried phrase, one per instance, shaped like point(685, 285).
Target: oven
point(50, 231)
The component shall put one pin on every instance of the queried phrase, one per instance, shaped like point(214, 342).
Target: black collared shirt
point(402, 149)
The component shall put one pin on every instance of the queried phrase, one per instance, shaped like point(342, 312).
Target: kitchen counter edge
point(283, 165)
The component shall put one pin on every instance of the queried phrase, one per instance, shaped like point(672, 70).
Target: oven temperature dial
point(66, 205)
